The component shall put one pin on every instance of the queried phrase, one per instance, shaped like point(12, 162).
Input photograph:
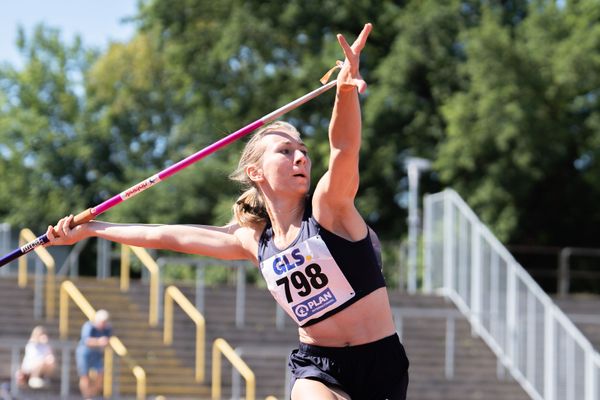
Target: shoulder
point(87, 327)
point(249, 238)
point(340, 218)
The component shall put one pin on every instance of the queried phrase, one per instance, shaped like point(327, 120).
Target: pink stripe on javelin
point(186, 162)
point(113, 201)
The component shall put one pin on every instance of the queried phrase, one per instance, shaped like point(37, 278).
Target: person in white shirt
point(39, 362)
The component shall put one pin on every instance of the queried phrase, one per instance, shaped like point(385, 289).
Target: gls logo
point(283, 264)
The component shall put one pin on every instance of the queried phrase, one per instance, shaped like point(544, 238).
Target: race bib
point(306, 281)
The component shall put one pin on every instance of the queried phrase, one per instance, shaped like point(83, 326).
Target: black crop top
point(319, 273)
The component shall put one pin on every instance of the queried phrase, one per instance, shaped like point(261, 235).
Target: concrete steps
point(264, 348)
point(583, 310)
point(166, 374)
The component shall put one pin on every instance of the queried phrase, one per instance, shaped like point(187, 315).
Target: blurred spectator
point(90, 354)
point(39, 362)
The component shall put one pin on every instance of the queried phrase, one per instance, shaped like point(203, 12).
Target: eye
point(285, 151)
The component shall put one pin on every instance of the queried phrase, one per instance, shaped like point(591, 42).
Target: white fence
point(531, 336)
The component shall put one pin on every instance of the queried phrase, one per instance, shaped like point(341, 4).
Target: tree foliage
point(501, 95)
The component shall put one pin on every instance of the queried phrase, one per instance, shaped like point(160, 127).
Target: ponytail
point(250, 209)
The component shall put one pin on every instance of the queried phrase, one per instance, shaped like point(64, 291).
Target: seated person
point(39, 362)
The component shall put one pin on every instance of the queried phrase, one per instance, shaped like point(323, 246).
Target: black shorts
point(377, 370)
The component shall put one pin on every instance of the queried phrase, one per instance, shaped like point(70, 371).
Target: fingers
point(62, 228)
point(361, 40)
point(66, 225)
point(345, 46)
point(358, 44)
point(50, 233)
point(350, 75)
point(352, 53)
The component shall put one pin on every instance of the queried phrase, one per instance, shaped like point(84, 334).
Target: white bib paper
point(306, 281)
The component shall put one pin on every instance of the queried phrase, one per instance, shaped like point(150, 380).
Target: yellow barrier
point(173, 294)
point(117, 347)
point(69, 290)
point(140, 376)
point(26, 236)
point(221, 346)
point(270, 398)
point(152, 267)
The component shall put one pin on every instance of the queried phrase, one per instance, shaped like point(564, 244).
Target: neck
point(286, 217)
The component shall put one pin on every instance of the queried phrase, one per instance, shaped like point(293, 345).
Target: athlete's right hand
point(63, 234)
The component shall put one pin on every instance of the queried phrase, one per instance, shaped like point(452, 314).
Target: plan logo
point(313, 305)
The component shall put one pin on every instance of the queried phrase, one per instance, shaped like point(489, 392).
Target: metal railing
point(5, 245)
point(564, 266)
point(71, 264)
point(278, 352)
point(174, 295)
point(201, 264)
point(69, 290)
point(450, 315)
point(152, 267)
point(26, 236)
point(531, 336)
point(220, 346)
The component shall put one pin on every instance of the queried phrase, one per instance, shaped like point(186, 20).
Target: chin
point(302, 191)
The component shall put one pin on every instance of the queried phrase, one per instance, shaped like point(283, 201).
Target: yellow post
point(200, 353)
point(140, 376)
point(168, 319)
point(173, 294)
point(63, 325)
point(154, 270)
point(22, 277)
point(69, 290)
point(26, 236)
point(216, 372)
point(108, 372)
point(221, 346)
point(125, 264)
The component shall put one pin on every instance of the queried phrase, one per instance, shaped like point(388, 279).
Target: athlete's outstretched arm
point(220, 242)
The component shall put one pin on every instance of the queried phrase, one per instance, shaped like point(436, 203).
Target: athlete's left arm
point(333, 200)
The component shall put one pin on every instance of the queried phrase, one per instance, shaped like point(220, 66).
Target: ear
point(254, 173)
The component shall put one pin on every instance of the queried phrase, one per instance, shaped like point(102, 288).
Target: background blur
point(501, 96)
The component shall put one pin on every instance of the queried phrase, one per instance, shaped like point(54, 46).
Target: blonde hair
point(250, 208)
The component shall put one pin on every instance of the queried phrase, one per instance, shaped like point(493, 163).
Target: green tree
point(502, 95)
point(40, 108)
point(219, 67)
point(521, 137)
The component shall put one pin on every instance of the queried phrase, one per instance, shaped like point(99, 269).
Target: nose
point(300, 157)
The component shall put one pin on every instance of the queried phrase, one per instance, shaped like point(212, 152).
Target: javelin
point(136, 189)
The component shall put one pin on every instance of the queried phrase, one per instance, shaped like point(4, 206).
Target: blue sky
point(96, 21)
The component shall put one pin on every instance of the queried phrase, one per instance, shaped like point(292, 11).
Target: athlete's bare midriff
point(367, 320)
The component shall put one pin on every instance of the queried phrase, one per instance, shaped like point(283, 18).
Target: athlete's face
point(285, 165)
